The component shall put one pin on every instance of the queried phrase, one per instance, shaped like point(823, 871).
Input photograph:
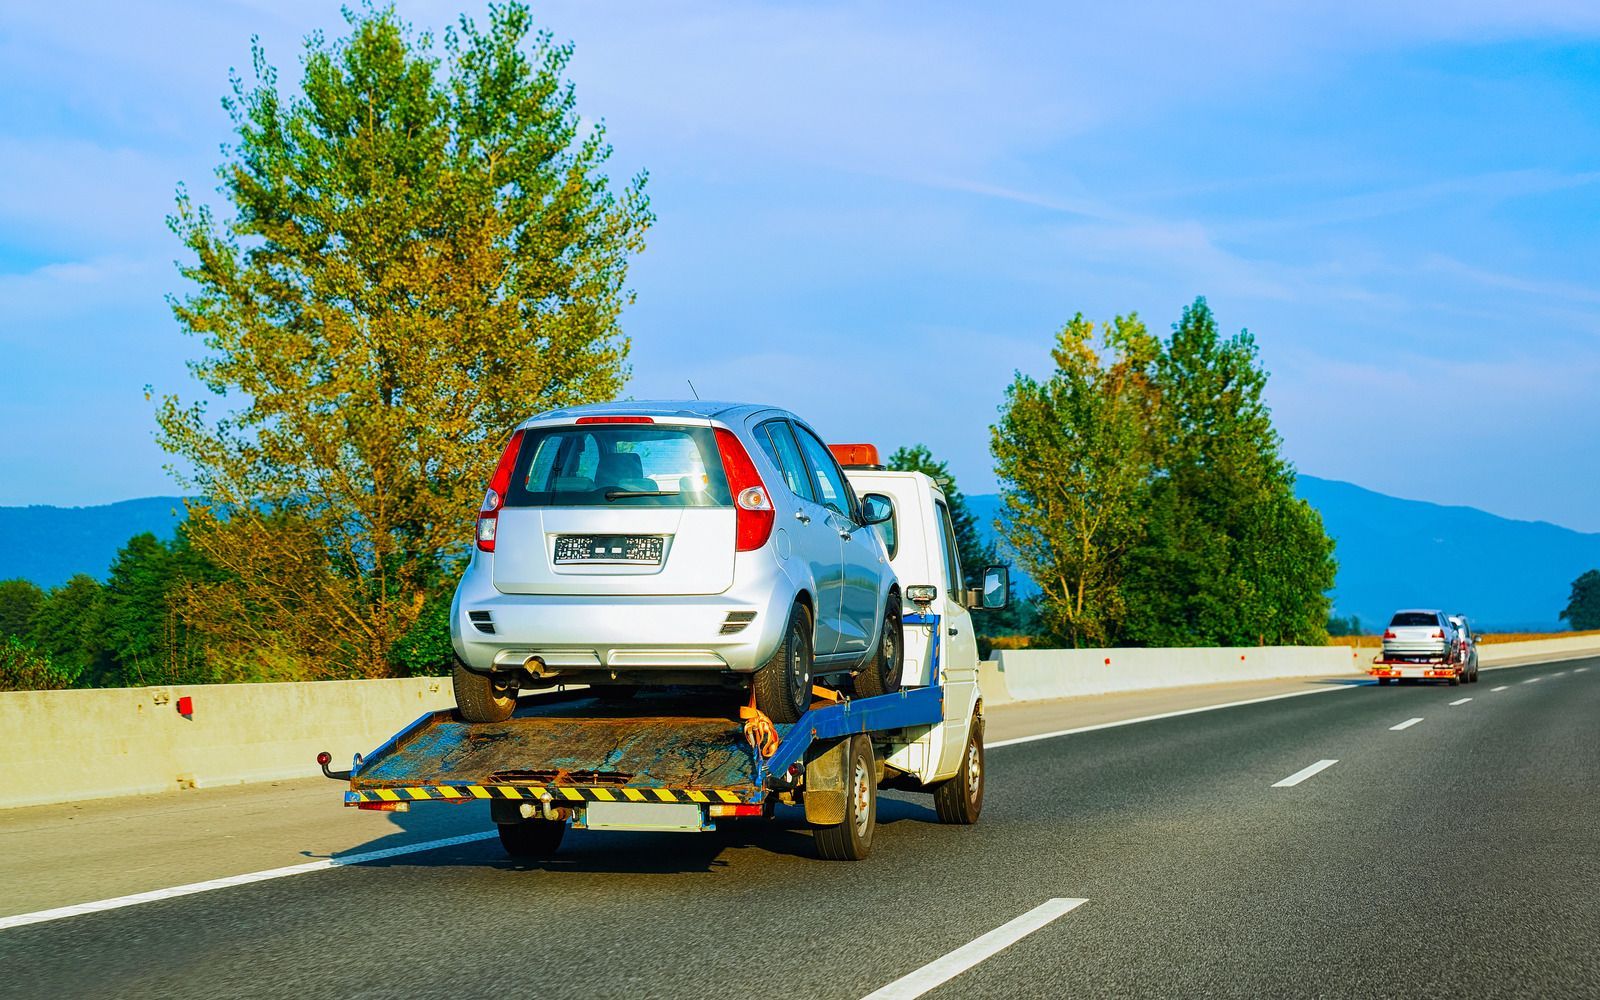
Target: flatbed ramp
point(656, 749)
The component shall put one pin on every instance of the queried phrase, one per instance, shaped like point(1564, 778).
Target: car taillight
point(615, 420)
point(1438, 633)
point(495, 498)
point(1388, 633)
point(752, 507)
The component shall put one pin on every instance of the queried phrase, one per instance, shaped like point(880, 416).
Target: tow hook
point(325, 758)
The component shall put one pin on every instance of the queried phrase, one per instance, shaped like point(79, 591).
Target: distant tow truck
point(679, 762)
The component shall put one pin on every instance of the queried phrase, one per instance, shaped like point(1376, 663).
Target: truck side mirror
point(876, 509)
point(996, 588)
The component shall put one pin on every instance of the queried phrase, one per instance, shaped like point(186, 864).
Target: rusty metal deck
point(654, 742)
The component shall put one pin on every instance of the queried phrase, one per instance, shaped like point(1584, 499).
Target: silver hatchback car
point(693, 542)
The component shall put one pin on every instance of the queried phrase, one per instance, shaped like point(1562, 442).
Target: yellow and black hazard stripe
point(557, 793)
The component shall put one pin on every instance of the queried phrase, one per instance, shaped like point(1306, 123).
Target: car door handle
point(802, 517)
point(953, 630)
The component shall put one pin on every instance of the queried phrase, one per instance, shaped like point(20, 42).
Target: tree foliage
point(974, 551)
point(1073, 455)
point(420, 252)
point(1583, 606)
point(20, 600)
point(24, 668)
point(1146, 495)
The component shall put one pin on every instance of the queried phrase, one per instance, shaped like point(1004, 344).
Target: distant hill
point(50, 544)
point(1393, 553)
point(1504, 574)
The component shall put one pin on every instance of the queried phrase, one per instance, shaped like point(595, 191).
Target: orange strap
point(758, 729)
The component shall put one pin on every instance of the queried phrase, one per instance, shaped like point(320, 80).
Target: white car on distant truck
point(1424, 644)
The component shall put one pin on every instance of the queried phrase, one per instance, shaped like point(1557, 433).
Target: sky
point(875, 214)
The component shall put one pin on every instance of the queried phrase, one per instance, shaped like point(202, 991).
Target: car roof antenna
point(691, 388)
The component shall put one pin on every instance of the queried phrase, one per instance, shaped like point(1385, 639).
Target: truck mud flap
point(824, 788)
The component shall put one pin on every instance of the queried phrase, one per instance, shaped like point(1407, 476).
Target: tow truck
point(684, 760)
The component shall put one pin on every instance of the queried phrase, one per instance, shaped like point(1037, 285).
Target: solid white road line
point(1459, 701)
point(1405, 725)
point(1500, 688)
point(156, 895)
point(942, 970)
point(1164, 715)
point(1304, 773)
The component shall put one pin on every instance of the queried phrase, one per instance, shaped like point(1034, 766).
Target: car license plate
point(644, 816)
point(645, 550)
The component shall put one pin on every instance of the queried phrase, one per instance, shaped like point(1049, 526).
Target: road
point(1458, 856)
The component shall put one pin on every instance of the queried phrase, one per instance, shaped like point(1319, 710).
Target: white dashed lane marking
point(1304, 773)
point(1405, 725)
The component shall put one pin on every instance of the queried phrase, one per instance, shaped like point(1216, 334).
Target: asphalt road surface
point(1215, 854)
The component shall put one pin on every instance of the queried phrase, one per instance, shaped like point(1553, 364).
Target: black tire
point(532, 838)
point(614, 693)
point(852, 839)
point(483, 697)
point(1455, 680)
point(881, 674)
point(1383, 681)
point(960, 799)
point(783, 684)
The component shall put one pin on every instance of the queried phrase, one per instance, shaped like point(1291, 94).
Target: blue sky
point(875, 213)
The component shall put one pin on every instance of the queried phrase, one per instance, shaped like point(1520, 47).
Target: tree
point(148, 640)
point(1230, 556)
point(69, 630)
point(1073, 455)
point(24, 668)
point(19, 602)
point(420, 253)
point(1583, 607)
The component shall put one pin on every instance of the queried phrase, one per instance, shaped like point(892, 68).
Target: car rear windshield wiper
point(629, 494)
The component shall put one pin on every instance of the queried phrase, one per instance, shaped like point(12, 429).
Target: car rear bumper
point(1417, 649)
point(584, 637)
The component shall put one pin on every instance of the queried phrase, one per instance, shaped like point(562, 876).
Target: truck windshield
point(1414, 619)
point(618, 465)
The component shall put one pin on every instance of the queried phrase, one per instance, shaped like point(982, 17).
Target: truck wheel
point(1455, 679)
point(483, 697)
point(852, 839)
point(783, 684)
point(881, 675)
point(1383, 681)
point(960, 799)
point(532, 838)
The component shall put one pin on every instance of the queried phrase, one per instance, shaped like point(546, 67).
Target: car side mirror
point(876, 509)
point(996, 588)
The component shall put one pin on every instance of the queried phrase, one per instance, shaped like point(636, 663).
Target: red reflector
point(855, 454)
point(385, 807)
point(616, 420)
point(186, 705)
point(721, 810)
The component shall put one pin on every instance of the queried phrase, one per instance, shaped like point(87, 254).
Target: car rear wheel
point(483, 697)
point(783, 684)
point(881, 675)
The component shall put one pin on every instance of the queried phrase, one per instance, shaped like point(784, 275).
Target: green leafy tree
point(69, 630)
point(1230, 555)
point(20, 600)
point(24, 668)
point(1073, 456)
point(421, 251)
point(148, 640)
point(1583, 607)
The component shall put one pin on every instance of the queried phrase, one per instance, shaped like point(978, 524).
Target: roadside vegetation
point(1145, 493)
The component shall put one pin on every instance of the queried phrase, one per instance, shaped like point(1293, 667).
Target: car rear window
point(1414, 618)
point(617, 465)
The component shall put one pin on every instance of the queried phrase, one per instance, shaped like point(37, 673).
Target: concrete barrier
point(68, 745)
point(1040, 674)
point(1511, 654)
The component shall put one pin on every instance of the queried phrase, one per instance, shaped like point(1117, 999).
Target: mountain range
point(1506, 575)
